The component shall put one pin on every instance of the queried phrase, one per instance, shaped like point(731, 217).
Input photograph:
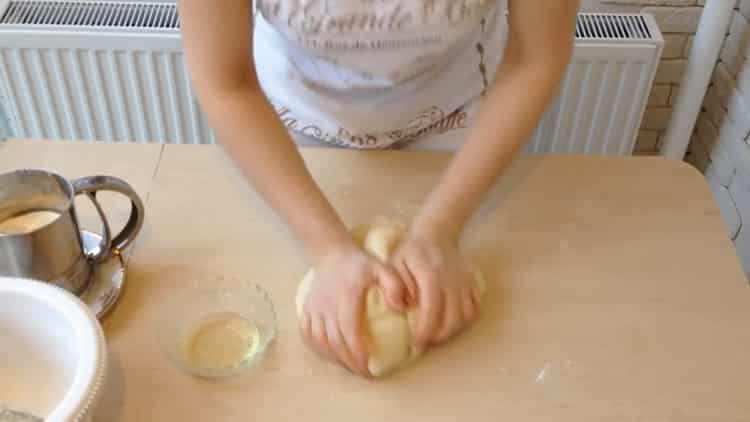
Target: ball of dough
point(389, 332)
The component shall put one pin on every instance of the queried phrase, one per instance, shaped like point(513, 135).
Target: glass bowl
point(217, 332)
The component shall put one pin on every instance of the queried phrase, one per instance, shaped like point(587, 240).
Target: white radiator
point(113, 71)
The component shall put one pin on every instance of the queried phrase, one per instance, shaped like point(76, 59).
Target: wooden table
point(614, 292)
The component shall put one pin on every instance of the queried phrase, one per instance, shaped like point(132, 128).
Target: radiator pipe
point(704, 53)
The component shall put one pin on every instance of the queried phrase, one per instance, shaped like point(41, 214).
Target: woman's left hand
point(440, 284)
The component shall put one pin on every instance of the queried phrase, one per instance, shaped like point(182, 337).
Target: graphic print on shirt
point(432, 121)
point(317, 17)
point(351, 60)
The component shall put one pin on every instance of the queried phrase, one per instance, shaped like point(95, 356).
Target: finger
point(393, 288)
point(476, 296)
point(338, 347)
point(430, 311)
point(303, 324)
point(409, 282)
point(320, 338)
point(468, 308)
point(452, 319)
point(351, 324)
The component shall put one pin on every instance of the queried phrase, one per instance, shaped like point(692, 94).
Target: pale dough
point(389, 332)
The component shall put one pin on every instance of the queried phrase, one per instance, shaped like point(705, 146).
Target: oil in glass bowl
point(223, 341)
point(217, 332)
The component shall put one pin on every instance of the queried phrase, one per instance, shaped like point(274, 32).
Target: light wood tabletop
point(614, 292)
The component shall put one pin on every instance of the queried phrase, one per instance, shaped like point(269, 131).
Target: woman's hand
point(440, 281)
point(333, 318)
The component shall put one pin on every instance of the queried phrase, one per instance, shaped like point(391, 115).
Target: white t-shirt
point(376, 73)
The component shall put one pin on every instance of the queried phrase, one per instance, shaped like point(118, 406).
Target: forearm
point(218, 50)
point(258, 143)
point(508, 116)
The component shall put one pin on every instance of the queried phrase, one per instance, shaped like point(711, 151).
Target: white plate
point(53, 354)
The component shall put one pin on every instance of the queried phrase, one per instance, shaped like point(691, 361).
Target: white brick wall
point(678, 20)
point(727, 103)
point(719, 146)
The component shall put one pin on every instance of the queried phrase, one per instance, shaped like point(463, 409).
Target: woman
point(376, 74)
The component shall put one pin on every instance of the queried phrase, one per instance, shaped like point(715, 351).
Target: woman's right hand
point(332, 320)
